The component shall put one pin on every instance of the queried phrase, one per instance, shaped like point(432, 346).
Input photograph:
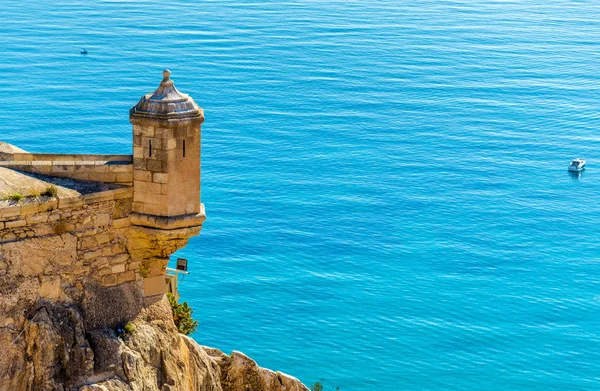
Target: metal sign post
point(172, 276)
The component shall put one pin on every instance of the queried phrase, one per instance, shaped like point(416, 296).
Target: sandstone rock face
point(240, 372)
point(57, 353)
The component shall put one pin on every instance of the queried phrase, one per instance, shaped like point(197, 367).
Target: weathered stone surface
point(51, 353)
point(156, 357)
point(42, 254)
point(107, 351)
point(110, 306)
point(56, 353)
point(240, 372)
point(155, 244)
point(50, 288)
point(108, 385)
point(154, 285)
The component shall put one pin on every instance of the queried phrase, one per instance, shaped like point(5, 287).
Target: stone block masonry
point(57, 246)
point(166, 170)
point(96, 168)
point(68, 241)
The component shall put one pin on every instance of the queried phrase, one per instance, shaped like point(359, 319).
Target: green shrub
point(318, 386)
point(129, 328)
point(17, 197)
point(182, 316)
point(50, 191)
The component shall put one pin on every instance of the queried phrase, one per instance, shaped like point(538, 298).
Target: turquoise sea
point(385, 181)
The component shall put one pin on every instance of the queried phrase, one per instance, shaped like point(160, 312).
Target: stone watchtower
point(166, 158)
point(166, 208)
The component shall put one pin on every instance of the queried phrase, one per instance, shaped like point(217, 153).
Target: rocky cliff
point(56, 351)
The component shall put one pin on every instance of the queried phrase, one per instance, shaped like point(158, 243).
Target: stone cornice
point(168, 223)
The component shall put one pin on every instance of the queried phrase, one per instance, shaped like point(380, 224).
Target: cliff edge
point(57, 352)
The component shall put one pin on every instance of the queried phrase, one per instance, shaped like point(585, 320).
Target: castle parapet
point(83, 167)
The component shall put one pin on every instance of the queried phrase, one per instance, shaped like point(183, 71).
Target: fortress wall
point(51, 250)
point(61, 249)
point(52, 157)
point(120, 172)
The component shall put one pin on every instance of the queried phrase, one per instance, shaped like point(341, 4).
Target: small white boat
point(577, 165)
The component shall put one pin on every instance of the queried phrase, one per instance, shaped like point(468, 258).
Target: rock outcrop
point(56, 352)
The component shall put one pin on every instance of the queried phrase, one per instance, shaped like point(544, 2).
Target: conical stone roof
point(166, 104)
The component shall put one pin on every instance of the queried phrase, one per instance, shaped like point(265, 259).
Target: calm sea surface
point(385, 181)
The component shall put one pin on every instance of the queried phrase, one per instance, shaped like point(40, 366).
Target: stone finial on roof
point(166, 104)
